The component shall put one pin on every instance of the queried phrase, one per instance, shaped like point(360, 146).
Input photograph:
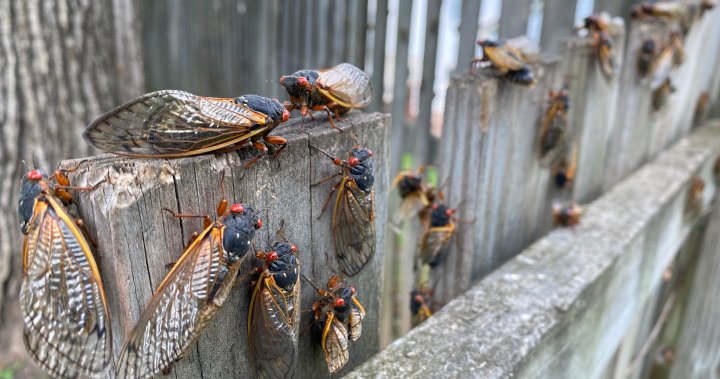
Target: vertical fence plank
point(425, 142)
point(514, 18)
point(468, 33)
point(400, 95)
point(558, 18)
point(490, 167)
point(378, 53)
point(593, 99)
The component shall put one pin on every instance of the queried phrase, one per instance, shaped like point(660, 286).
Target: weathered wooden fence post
point(489, 169)
point(136, 238)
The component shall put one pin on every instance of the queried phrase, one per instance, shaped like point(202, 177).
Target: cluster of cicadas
point(67, 325)
point(657, 57)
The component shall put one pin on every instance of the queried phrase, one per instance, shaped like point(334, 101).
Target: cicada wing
point(346, 85)
point(411, 205)
point(357, 314)
point(504, 58)
point(660, 69)
point(178, 311)
point(435, 243)
point(353, 227)
point(67, 328)
point(335, 344)
point(273, 329)
point(173, 124)
point(552, 134)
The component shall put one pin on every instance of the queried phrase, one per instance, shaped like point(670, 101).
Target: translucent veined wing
point(173, 124)
point(357, 314)
point(67, 329)
point(335, 344)
point(435, 243)
point(273, 324)
point(353, 227)
point(183, 305)
point(661, 67)
point(411, 205)
point(346, 85)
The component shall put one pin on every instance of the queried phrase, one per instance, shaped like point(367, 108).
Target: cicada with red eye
point(274, 313)
point(552, 134)
point(335, 90)
point(191, 293)
point(338, 317)
point(353, 219)
point(420, 301)
point(438, 230)
point(62, 300)
point(172, 124)
point(567, 214)
point(415, 194)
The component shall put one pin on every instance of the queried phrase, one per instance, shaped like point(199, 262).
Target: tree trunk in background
point(62, 63)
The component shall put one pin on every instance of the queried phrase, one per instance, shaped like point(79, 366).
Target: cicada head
point(240, 227)
point(343, 302)
point(284, 268)
point(409, 184)
point(30, 188)
point(275, 111)
point(440, 215)
point(300, 84)
point(361, 168)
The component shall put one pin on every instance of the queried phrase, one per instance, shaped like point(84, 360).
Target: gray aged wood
point(639, 132)
point(558, 19)
point(468, 33)
point(425, 143)
point(539, 314)
point(61, 64)
point(378, 54)
point(514, 18)
point(593, 101)
point(136, 239)
point(400, 93)
point(489, 169)
point(698, 350)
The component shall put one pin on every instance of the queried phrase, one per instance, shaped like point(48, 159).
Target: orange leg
point(276, 140)
point(327, 199)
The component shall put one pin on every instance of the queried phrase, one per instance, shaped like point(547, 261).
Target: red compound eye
point(339, 302)
point(450, 212)
point(303, 82)
point(34, 175)
point(259, 223)
point(434, 206)
point(293, 248)
point(237, 208)
point(370, 153)
point(353, 161)
point(282, 80)
point(352, 289)
point(285, 115)
point(271, 256)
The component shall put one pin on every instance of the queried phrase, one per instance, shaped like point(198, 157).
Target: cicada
point(353, 219)
point(191, 293)
point(646, 57)
point(552, 134)
point(419, 308)
point(274, 313)
point(567, 214)
point(507, 60)
point(338, 316)
point(564, 171)
point(415, 194)
point(335, 90)
point(67, 327)
point(682, 12)
point(662, 93)
point(599, 27)
point(701, 108)
point(438, 230)
point(171, 124)
point(677, 44)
